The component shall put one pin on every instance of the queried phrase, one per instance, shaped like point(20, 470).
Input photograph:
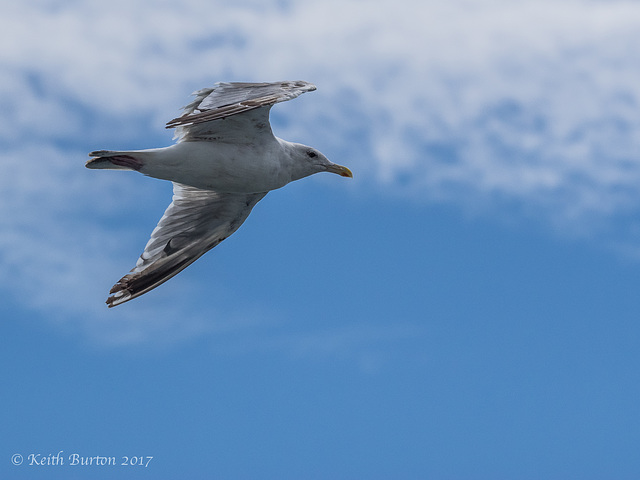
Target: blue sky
point(465, 307)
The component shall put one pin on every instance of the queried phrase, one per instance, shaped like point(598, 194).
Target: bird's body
point(213, 165)
point(226, 160)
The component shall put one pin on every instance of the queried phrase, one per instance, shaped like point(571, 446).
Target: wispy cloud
point(364, 345)
point(531, 100)
point(533, 103)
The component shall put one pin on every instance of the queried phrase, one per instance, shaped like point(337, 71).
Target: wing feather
point(195, 222)
point(234, 111)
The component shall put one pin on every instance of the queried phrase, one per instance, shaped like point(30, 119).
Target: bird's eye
point(312, 154)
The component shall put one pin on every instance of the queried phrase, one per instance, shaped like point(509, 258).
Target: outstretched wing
point(215, 114)
point(195, 222)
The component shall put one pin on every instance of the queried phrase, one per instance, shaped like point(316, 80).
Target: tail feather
point(113, 160)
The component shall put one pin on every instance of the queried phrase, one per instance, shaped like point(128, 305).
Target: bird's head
point(310, 161)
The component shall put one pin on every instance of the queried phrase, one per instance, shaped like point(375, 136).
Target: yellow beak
point(340, 170)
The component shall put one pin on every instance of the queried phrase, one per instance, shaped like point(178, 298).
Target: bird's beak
point(340, 170)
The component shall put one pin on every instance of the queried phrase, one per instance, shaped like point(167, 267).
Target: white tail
point(113, 160)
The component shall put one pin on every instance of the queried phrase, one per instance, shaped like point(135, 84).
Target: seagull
point(225, 160)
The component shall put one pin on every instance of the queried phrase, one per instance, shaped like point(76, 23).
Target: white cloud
point(533, 102)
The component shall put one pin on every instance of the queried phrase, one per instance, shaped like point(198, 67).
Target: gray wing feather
point(195, 222)
point(244, 107)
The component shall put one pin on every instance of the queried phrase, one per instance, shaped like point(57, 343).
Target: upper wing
point(202, 118)
point(195, 222)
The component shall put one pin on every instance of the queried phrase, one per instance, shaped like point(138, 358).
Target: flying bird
point(226, 160)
